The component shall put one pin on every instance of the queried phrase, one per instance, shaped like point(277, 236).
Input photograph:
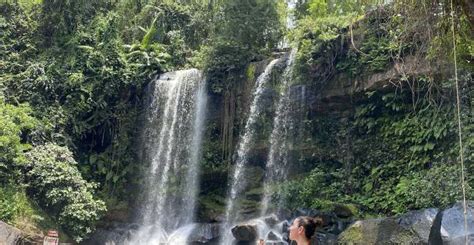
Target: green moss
point(353, 234)
point(211, 202)
point(347, 208)
point(346, 157)
point(210, 206)
point(250, 72)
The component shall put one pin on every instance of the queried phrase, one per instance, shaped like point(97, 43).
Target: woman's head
point(304, 227)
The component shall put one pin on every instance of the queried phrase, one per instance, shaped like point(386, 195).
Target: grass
point(19, 211)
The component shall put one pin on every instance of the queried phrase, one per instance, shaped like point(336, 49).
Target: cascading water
point(238, 183)
point(172, 146)
point(277, 163)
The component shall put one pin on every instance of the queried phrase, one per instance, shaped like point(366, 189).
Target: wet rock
point(284, 229)
point(301, 94)
point(272, 237)
point(267, 98)
point(245, 232)
point(271, 220)
point(204, 233)
point(448, 226)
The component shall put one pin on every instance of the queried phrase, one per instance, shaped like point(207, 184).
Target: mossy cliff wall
point(373, 129)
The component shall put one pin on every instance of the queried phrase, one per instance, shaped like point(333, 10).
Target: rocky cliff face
point(340, 93)
point(334, 100)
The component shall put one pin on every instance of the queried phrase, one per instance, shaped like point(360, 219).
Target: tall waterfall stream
point(238, 182)
point(172, 147)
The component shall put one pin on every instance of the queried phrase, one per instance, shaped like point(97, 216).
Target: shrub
point(418, 190)
point(15, 122)
point(55, 182)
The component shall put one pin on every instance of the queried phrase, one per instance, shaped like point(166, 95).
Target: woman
point(303, 228)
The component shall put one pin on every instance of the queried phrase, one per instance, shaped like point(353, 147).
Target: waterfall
point(172, 135)
point(277, 163)
point(238, 183)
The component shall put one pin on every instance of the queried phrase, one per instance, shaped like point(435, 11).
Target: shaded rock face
point(337, 94)
point(245, 233)
point(448, 227)
point(419, 222)
point(411, 228)
point(12, 235)
point(204, 234)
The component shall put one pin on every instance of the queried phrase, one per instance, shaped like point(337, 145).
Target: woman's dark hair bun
point(310, 225)
point(318, 221)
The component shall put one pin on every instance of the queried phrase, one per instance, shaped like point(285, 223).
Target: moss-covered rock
point(345, 210)
point(410, 228)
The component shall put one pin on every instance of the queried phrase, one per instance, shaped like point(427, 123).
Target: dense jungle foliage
point(73, 73)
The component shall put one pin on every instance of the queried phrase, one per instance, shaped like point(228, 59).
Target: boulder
point(271, 220)
point(410, 228)
point(204, 233)
point(273, 239)
point(8, 234)
point(245, 232)
point(372, 231)
point(12, 235)
point(272, 236)
point(419, 222)
point(448, 226)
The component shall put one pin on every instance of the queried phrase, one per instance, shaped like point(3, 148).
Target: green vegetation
point(360, 38)
point(55, 182)
point(386, 156)
point(15, 121)
point(397, 140)
point(244, 31)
